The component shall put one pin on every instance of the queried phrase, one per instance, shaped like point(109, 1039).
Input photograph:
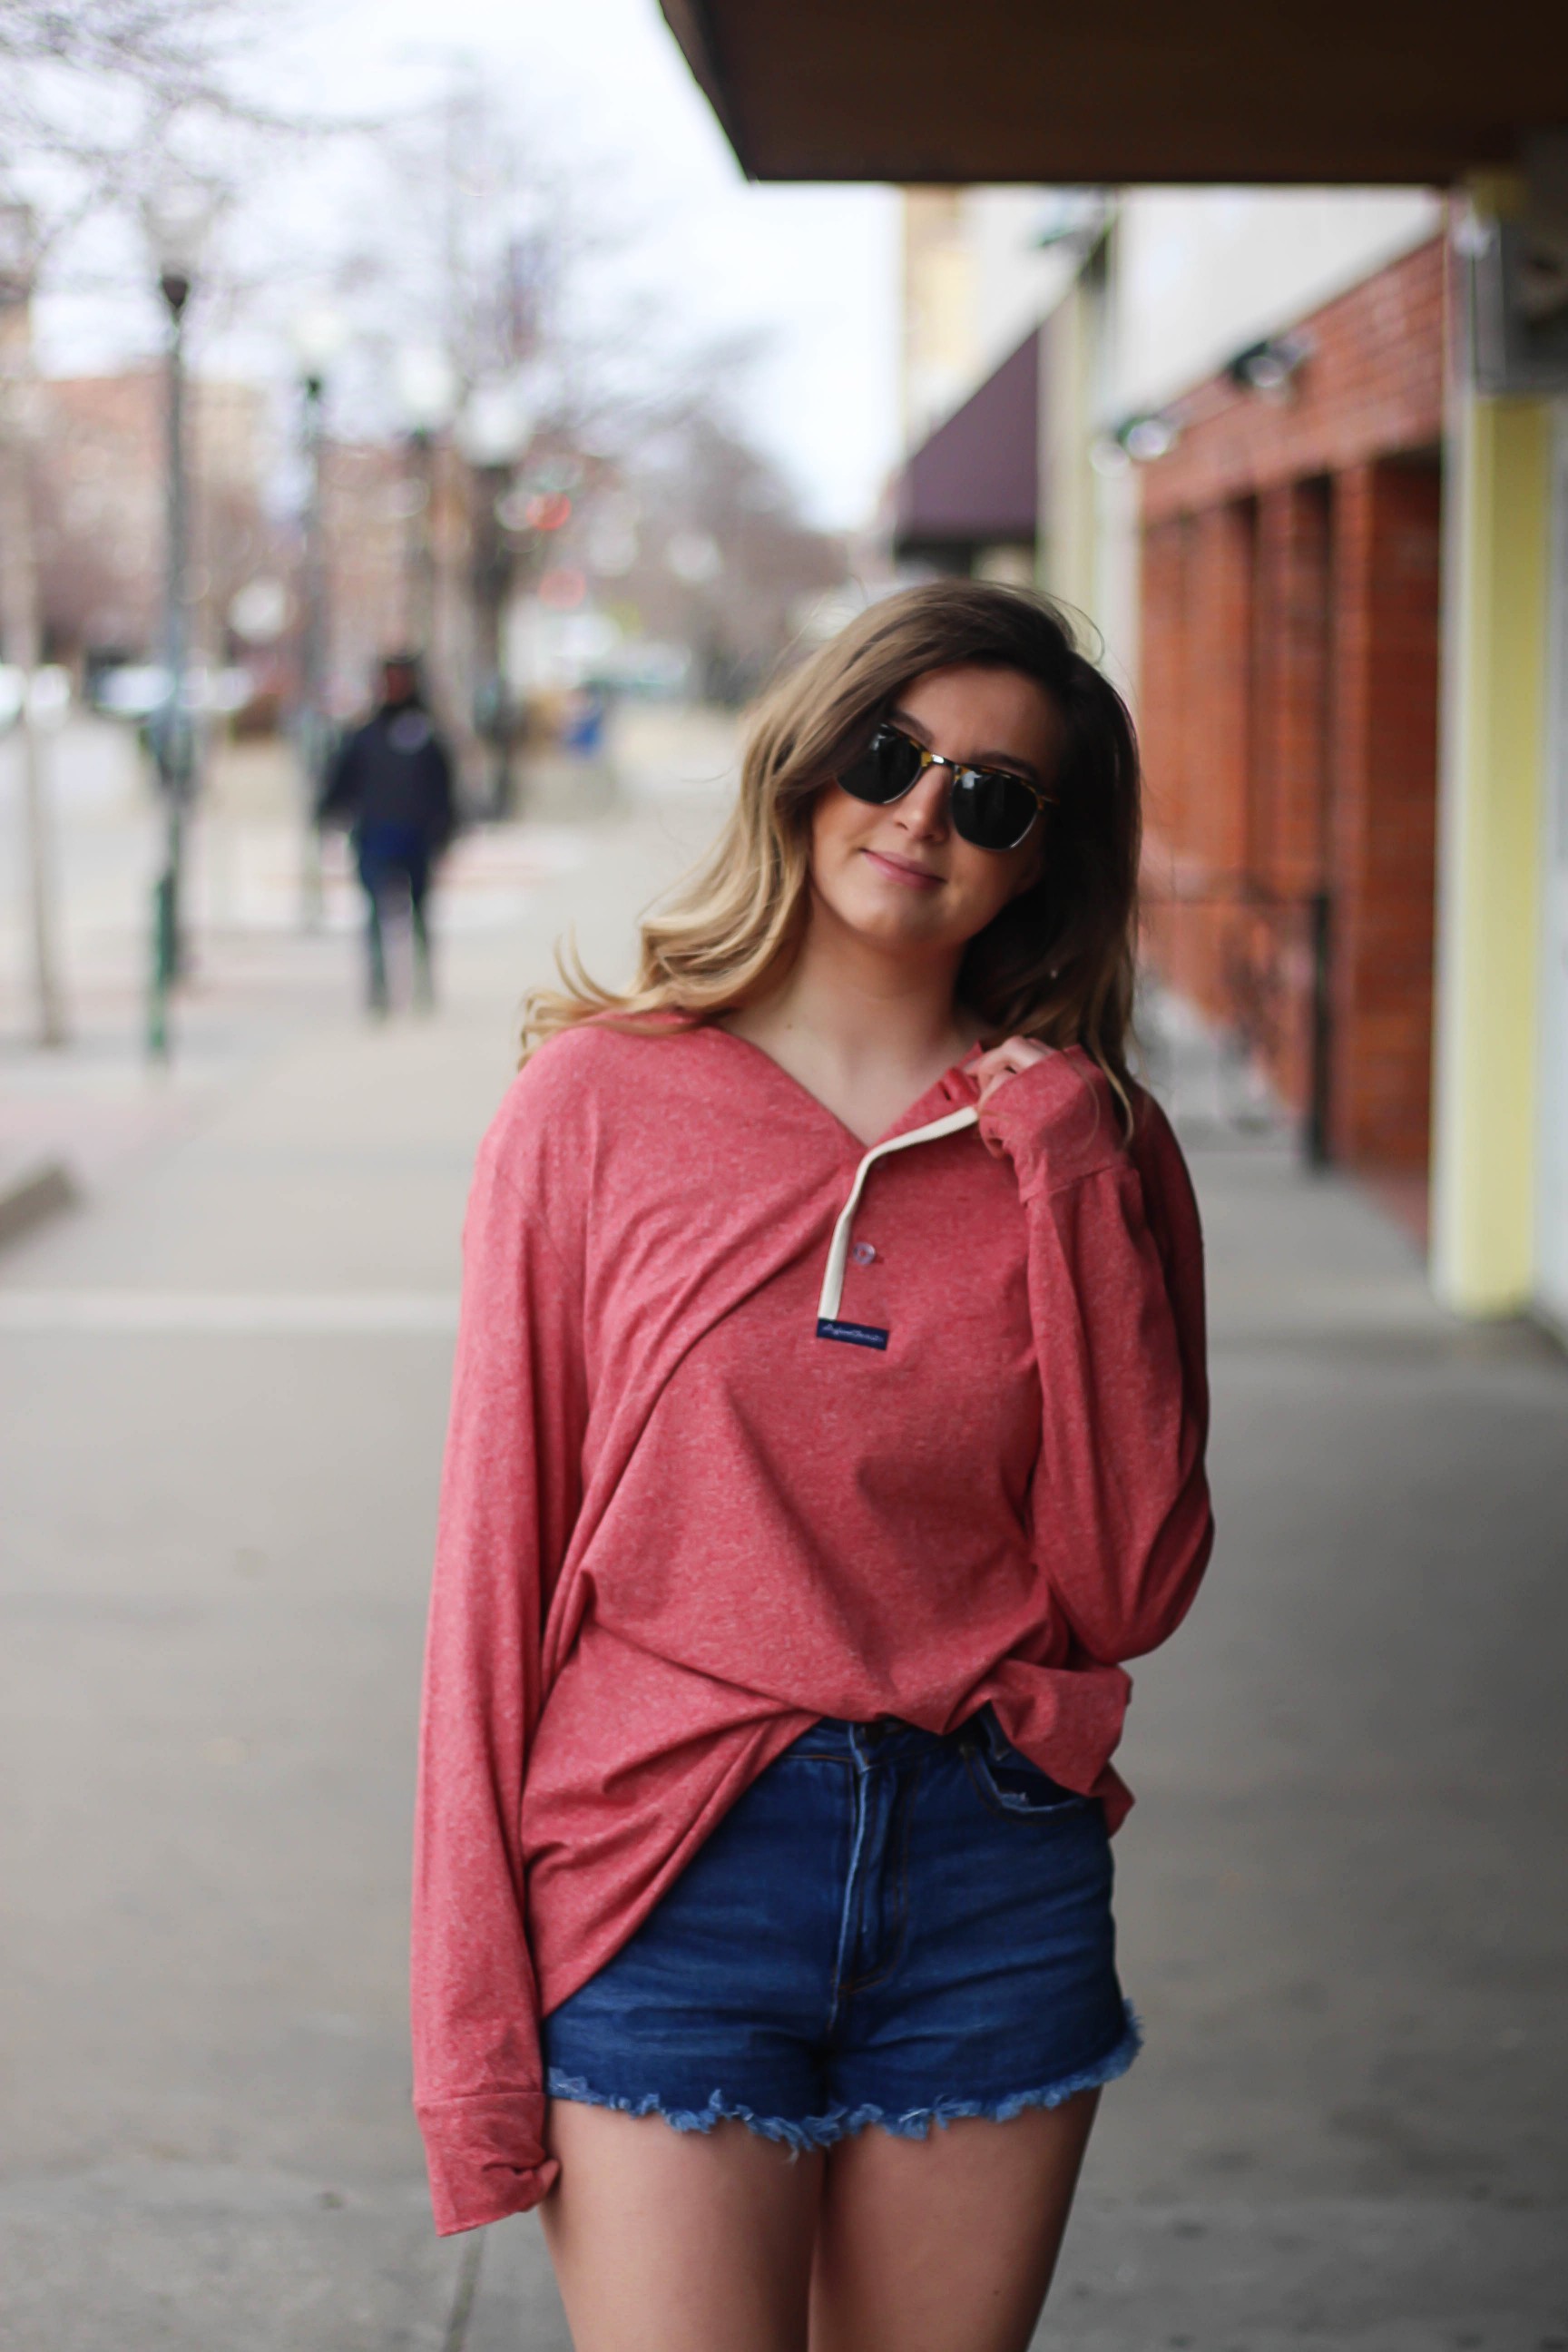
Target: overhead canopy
point(975, 482)
point(1348, 91)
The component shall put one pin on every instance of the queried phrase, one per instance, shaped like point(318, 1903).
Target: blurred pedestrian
point(827, 1432)
point(391, 784)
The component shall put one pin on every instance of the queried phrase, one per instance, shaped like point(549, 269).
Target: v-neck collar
point(955, 1087)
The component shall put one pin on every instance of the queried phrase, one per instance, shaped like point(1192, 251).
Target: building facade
point(1329, 566)
point(1288, 680)
point(1337, 569)
point(99, 521)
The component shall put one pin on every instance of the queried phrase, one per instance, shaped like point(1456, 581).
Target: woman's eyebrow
point(979, 760)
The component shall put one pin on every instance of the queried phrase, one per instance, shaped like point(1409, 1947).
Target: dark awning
point(975, 482)
point(1347, 91)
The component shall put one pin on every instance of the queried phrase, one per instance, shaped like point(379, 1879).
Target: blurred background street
point(327, 341)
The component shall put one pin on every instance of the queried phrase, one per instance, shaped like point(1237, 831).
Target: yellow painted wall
point(1067, 551)
point(1488, 914)
point(941, 357)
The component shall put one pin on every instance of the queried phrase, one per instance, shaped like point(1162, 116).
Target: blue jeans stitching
point(851, 1884)
point(898, 1826)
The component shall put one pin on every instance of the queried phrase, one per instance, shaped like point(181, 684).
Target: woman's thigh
point(946, 2243)
point(667, 2241)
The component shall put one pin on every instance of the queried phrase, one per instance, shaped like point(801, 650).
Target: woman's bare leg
point(945, 2244)
point(678, 2241)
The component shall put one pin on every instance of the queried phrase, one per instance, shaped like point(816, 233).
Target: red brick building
point(99, 488)
point(100, 493)
point(1290, 572)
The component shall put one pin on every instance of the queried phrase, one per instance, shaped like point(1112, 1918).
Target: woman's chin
point(895, 929)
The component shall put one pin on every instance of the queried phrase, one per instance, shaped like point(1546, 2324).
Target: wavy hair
point(1056, 964)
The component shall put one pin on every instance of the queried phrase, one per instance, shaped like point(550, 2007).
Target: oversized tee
point(752, 1426)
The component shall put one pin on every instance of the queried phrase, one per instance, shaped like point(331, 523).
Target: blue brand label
point(859, 1335)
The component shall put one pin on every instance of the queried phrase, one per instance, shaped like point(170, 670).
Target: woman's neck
point(866, 1032)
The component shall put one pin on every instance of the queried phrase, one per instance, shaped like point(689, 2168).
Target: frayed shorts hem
point(841, 2122)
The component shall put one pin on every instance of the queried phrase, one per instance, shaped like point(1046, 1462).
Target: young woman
point(828, 1429)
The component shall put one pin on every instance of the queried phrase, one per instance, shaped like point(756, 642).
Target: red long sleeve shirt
point(728, 1453)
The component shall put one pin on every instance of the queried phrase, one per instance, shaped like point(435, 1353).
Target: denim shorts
point(888, 1927)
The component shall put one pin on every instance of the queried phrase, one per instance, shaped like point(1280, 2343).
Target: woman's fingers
point(1004, 1061)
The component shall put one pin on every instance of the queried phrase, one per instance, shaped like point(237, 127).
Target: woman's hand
point(1004, 1061)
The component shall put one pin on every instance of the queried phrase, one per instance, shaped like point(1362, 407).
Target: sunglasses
point(990, 808)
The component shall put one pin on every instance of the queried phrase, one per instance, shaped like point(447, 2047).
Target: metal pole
point(492, 577)
point(1320, 1144)
point(52, 1029)
point(313, 722)
point(172, 742)
point(420, 590)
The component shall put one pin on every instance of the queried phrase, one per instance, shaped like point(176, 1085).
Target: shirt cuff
point(1056, 1121)
point(486, 2158)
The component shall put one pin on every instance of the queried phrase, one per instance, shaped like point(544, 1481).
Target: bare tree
point(94, 101)
point(720, 558)
point(80, 86)
point(524, 272)
point(20, 630)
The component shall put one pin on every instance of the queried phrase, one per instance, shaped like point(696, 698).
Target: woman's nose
point(923, 808)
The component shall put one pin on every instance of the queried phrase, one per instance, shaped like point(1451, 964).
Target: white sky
point(812, 271)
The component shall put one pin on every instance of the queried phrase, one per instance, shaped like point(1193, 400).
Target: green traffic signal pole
point(172, 745)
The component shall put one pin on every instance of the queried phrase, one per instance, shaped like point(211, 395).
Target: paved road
point(1342, 1893)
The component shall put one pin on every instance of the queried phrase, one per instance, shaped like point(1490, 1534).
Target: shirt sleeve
point(1122, 1527)
point(510, 1492)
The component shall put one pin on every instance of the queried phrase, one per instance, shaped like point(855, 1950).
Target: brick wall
point(1386, 538)
point(1291, 685)
point(1289, 699)
point(99, 488)
point(1372, 382)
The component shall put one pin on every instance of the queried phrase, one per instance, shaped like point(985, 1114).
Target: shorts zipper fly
point(871, 1922)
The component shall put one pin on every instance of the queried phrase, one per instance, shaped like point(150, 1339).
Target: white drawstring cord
point(832, 1296)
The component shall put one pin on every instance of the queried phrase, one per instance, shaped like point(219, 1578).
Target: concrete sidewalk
point(225, 1385)
point(1341, 1892)
point(1343, 1895)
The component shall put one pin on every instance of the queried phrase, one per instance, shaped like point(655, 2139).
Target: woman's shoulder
point(586, 1054)
point(597, 1056)
point(586, 1085)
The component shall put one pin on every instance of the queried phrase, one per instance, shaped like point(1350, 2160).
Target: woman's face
point(901, 876)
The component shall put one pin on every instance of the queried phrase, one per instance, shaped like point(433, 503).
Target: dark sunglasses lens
point(991, 810)
point(885, 770)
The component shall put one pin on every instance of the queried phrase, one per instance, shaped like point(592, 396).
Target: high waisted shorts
point(888, 1928)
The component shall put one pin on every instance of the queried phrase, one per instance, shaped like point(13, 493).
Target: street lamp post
point(318, 338)
point(428, 393)
point(176, 220)
point(493, 432)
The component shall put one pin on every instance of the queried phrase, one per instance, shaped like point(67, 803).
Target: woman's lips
point(916, 878)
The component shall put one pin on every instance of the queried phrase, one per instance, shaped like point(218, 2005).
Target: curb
point(32, 1191)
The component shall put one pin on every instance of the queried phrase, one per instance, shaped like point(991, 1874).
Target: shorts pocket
point(1005, 1779)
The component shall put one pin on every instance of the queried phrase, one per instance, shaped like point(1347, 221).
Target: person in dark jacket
point(390, 783)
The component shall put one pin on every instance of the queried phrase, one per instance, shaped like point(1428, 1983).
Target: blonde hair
point(1057, 963)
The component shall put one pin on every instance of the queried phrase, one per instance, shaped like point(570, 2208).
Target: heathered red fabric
point(678, 1526)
